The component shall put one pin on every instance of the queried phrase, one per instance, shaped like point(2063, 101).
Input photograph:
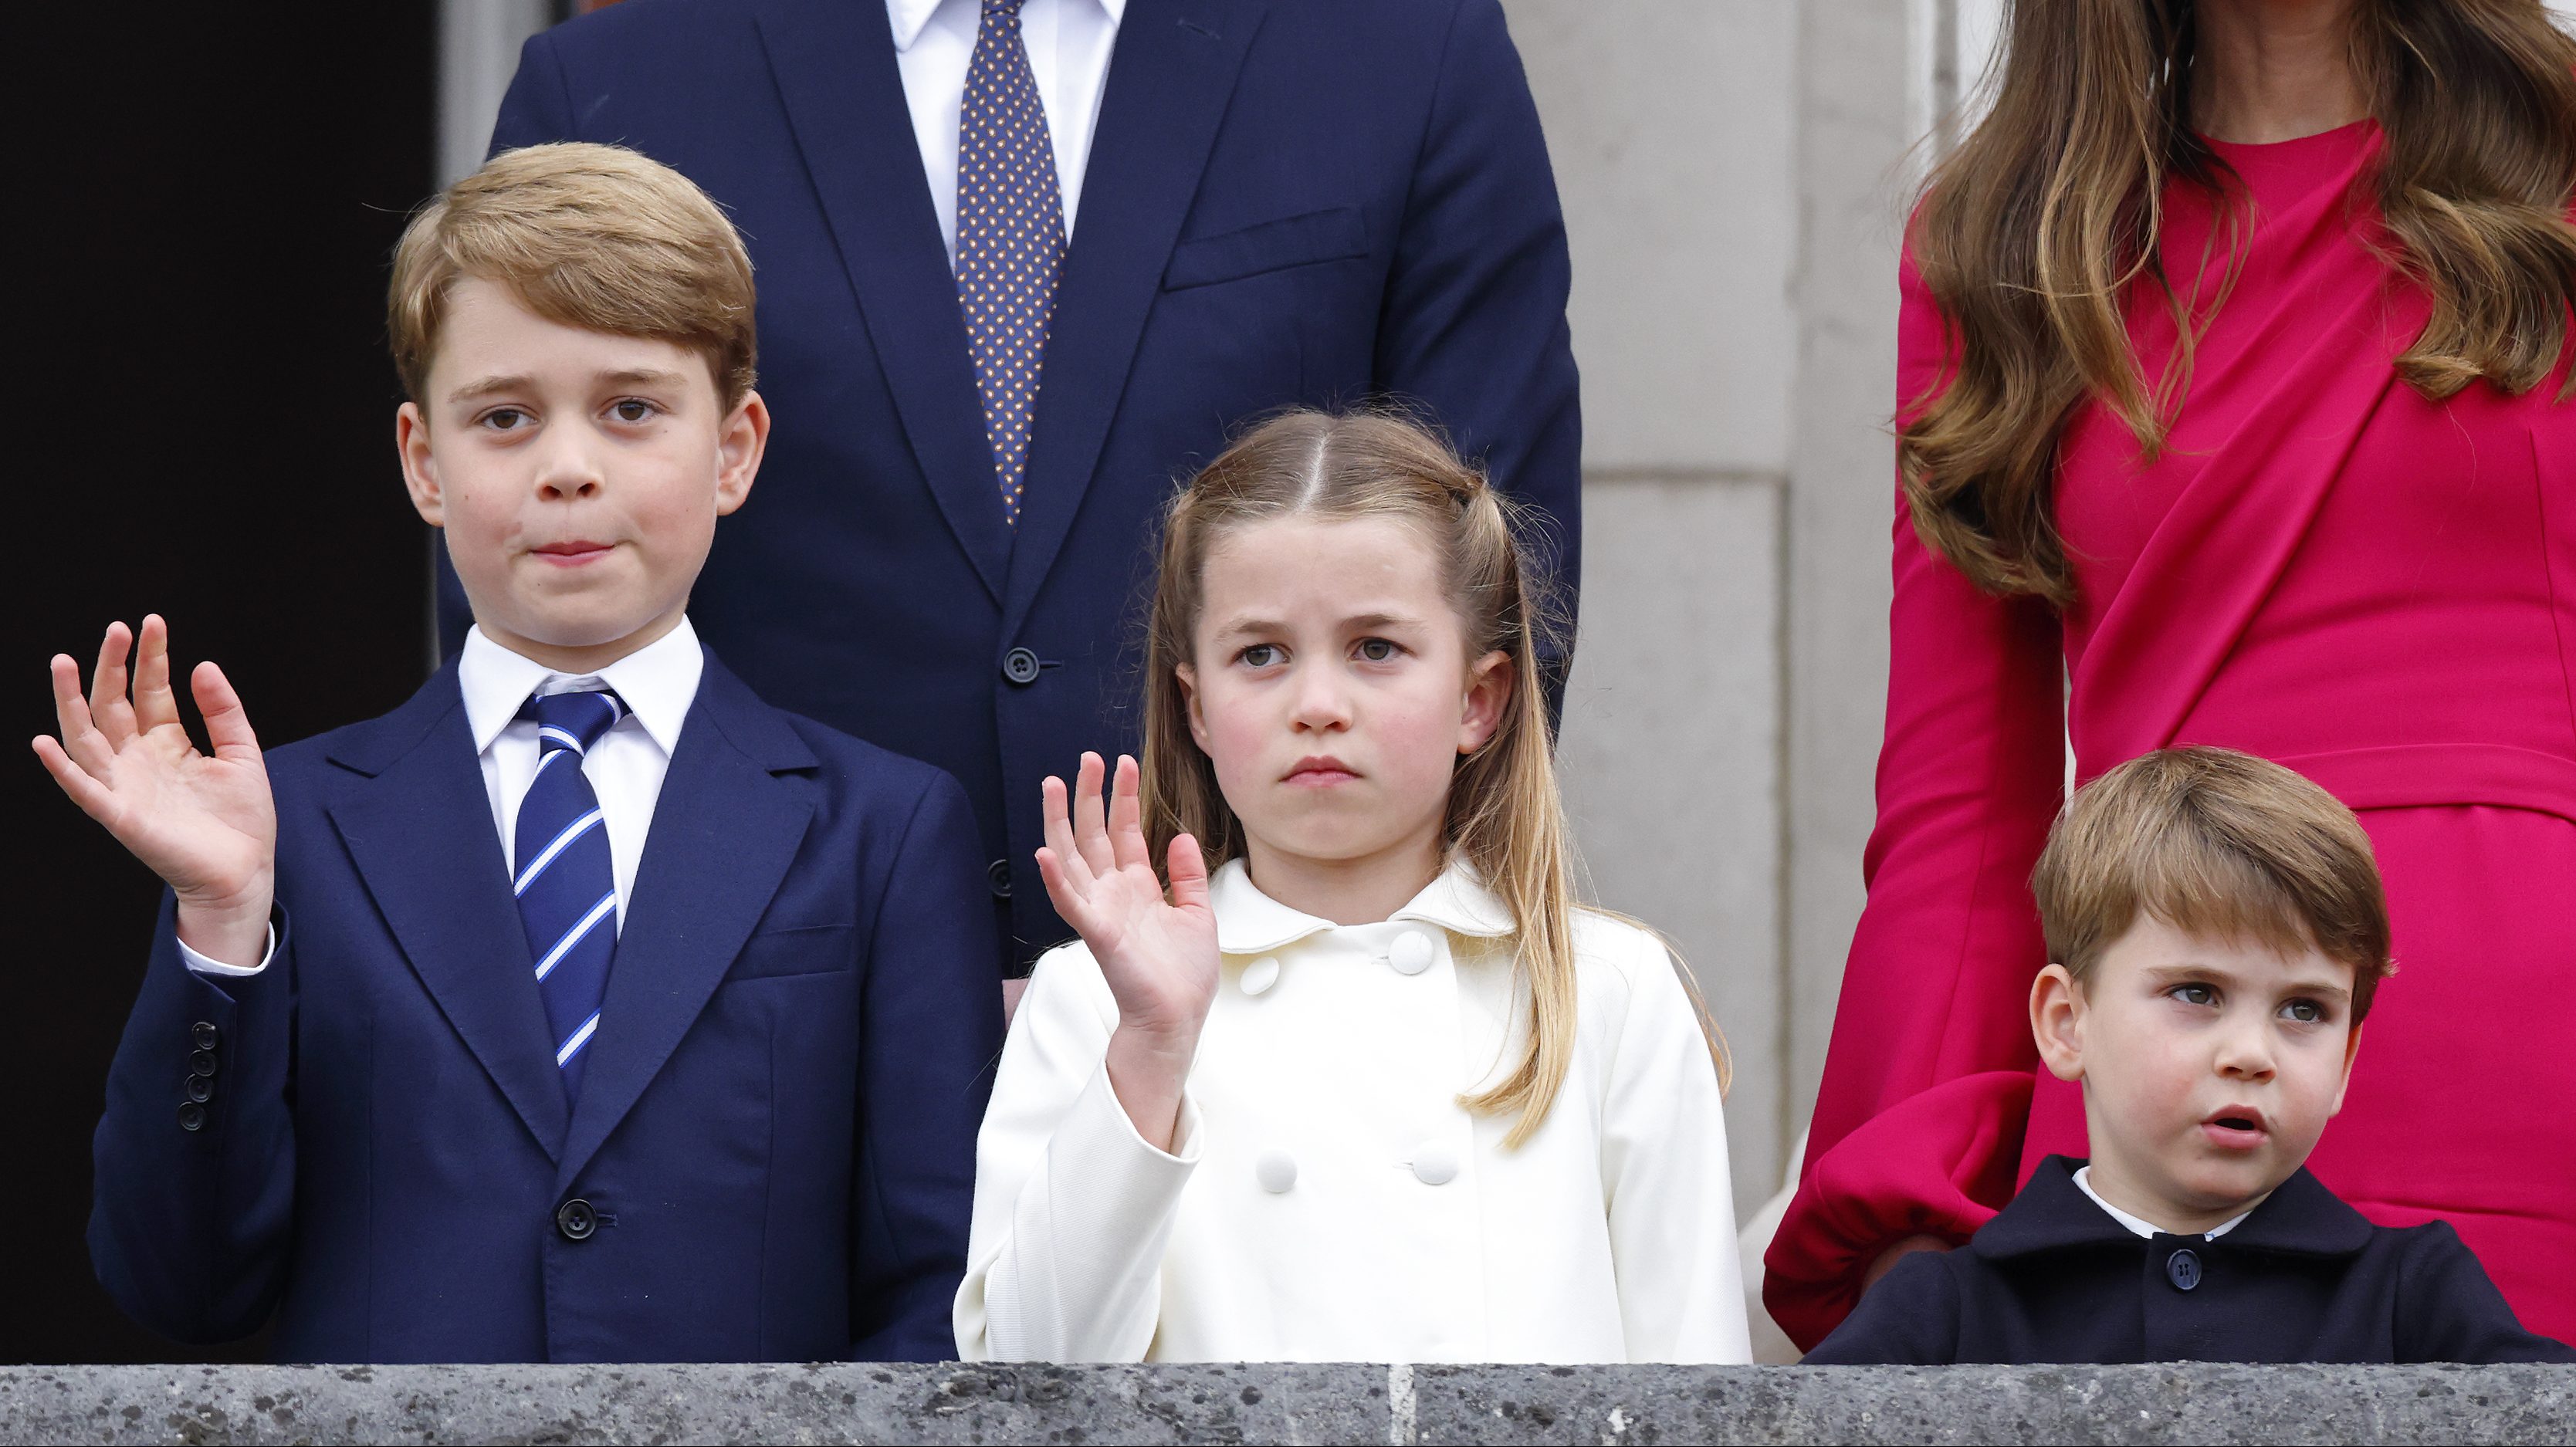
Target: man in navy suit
point(585, 1007)
point(1024, 264)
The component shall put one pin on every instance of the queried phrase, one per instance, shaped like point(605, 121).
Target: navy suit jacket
point(1287, 201)
point(775, 1138)
point(2305, 1278)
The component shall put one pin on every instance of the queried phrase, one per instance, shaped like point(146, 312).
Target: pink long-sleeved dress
point(2325, 569)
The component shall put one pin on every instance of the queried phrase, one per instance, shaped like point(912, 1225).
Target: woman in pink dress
point(2234, 377)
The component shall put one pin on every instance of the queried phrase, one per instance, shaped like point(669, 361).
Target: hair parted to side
point(1504, 814)
point(2036, 231)
point(591, 236)
point(2216, 843)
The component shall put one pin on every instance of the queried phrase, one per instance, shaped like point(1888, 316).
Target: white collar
point(2141, 1226)
point(657, 682)
point(1249, 922)
point(909, 17)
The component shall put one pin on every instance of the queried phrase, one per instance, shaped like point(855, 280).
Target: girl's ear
point(1189, 678)
point(1489, 692)
point(2057, 1022)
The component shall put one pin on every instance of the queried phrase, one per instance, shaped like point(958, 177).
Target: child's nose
point(2245, 1053)
point(1320, 703)
point(567, 472)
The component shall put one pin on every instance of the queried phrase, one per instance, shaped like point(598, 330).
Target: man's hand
point(1159, 955)
point(206, 825)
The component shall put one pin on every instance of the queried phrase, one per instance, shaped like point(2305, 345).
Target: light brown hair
point(2214, 843)
point(597, 237)
point(1504, 814)
point(2033, 233)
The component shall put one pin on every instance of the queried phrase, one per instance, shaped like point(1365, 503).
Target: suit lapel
point(1169, 80)
point(725, 830)
point(419, 828)
point(835, 68)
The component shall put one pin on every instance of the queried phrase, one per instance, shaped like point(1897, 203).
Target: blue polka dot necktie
point(1010, 238)
point(566, 884)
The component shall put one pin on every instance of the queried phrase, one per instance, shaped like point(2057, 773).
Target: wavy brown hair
point(2033, 232)
point(1504, 814)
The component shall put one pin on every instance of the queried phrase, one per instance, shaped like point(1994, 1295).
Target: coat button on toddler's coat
point(1276, 1170)
point(1434, 1164)
point(2183, 1269)
point(1259, 976)
point(1411, 953)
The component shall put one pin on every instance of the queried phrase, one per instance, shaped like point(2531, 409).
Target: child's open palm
point(205, 824)
point(1159, 955)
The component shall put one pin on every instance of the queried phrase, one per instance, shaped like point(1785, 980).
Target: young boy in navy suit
point(2219, 930)
point(583, 1008)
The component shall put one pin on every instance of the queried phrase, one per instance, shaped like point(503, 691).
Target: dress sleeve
point(1926, 1091)
point(1072, 1207)
point(1664, 1175)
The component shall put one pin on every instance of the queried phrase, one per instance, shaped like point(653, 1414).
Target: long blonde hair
point(2033, 233)
point(1503, 813)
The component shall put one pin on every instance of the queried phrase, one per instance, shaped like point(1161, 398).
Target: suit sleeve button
point(575, 1220)
point(200, 1089)
point(204, 1034)
point(997, 878)
point(202, 1063)
point(192, 1116)
point(1020, 666)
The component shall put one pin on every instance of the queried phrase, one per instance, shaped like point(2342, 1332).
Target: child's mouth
point(2233, 1129)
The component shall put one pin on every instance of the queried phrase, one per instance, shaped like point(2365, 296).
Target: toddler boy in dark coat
point(2218, 929)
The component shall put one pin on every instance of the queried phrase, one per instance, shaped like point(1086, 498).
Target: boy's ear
point(2351, 1051)
point(1189, 680)
point(1489, 692)
point(739, 445)
point(420, 469)
point(2057, 1022)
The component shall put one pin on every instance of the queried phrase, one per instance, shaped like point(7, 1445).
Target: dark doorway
point(204, 429)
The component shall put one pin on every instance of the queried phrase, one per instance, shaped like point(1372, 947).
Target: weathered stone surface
point(1271, 1403)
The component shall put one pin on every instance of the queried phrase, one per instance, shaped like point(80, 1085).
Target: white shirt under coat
point(657, 682)
point(1069, 43)
point(1327, 1198)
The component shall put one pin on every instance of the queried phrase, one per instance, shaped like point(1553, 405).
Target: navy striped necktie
point(566, 882)
point(1010, 238)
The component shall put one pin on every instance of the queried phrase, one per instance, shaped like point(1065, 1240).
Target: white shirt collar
point(2141, 1226)
point(908, 17)
point(1249, 922)
point(658, 682)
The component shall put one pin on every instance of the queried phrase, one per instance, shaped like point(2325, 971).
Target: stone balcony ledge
point(1256, 1402)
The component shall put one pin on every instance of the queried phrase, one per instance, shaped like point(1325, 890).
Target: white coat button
point(1411, 953)
point(1259, 976)
point(1276, 1170)
point(1434, 1164)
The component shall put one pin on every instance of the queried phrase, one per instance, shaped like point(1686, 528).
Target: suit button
point(1276, 1170)
point(1411, 953)
point(205, 1034)
point(575, 1220)
point(192, 1116)
point(1434, 1164)
point(2183, 1269)
point(1259, 976)
point(1020, 666)
point(997, 878)
point(202, 1063)
point(200, 1089)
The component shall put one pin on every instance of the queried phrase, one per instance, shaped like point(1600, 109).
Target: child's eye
point(2306, 1012)
point(1376, 650)
point(633, 409)
point(2194, 994)
point(1260, 655)
point(506, 419)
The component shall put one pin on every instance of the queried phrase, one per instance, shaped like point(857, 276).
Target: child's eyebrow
point(642, 377)
point(486, 386)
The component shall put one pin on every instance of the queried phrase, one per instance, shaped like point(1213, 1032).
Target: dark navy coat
point(2305, 1278)
point(774, 1143)
point(1287, 201)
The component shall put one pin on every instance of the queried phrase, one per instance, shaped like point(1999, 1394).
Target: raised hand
point(1158, 953)
point(206, 825)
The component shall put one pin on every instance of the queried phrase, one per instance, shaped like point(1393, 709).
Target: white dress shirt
point(2140, 1225)
point(1069, 42)
point(658, 682)
point(1327, 1198)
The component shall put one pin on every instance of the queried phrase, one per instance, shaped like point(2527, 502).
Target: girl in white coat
point(1378, 1089)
